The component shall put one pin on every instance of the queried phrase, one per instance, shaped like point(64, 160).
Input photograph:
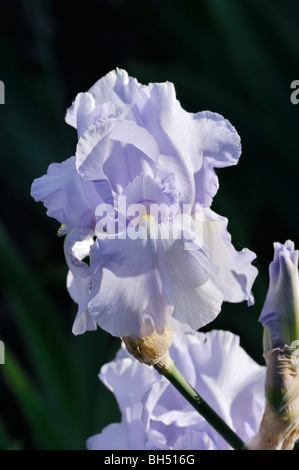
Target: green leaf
point(37, 411)
point(45, 341)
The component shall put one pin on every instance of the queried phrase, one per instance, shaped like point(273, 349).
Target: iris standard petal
point(186, 140)
point(116, 151)
point(117, 86)
point(80, 114)
point(93, 147)
point(172, 129)
point(85, 111)
point(116, 89)
point(128, 132)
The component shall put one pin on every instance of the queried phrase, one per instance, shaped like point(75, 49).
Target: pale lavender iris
point(280, 314)
point(136, 142)
point(154, 416)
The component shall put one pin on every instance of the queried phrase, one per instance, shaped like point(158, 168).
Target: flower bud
point(280, 314)
point(152, 349)
point(279, 429)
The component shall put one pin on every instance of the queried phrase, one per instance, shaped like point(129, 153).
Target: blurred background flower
point(154, 414)
point(235, 58)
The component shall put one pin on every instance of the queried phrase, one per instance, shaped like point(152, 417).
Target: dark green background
point(237, 58)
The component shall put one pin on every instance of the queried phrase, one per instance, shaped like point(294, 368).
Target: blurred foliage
point(235, 58)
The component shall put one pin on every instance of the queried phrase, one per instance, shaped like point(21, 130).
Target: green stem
point(180, 383)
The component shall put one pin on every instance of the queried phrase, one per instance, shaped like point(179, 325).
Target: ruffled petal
point(226, 377)
point(152, 119)
point(221, 147)
point(145, 284)
point(236, 274)
point(113, 437)
point(93, 147)
point(117, 151)
point(59, 188)
point(207, 184)
point(128, 132)
point(187, 286)
point(79, 115)
point(145, 189)
point(125, 163)
point(233, 366)
point(116, 87)
point(114, 90)
point(76, 246)
point(172, 128)
point(217, 139)
point(155, 414)
point(127, 292)
point(133, 377)
point(186, 140)
point(85, 111)
point(150, 197)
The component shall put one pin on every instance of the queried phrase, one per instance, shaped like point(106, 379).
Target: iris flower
point(154, 416)
point(138, 148)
